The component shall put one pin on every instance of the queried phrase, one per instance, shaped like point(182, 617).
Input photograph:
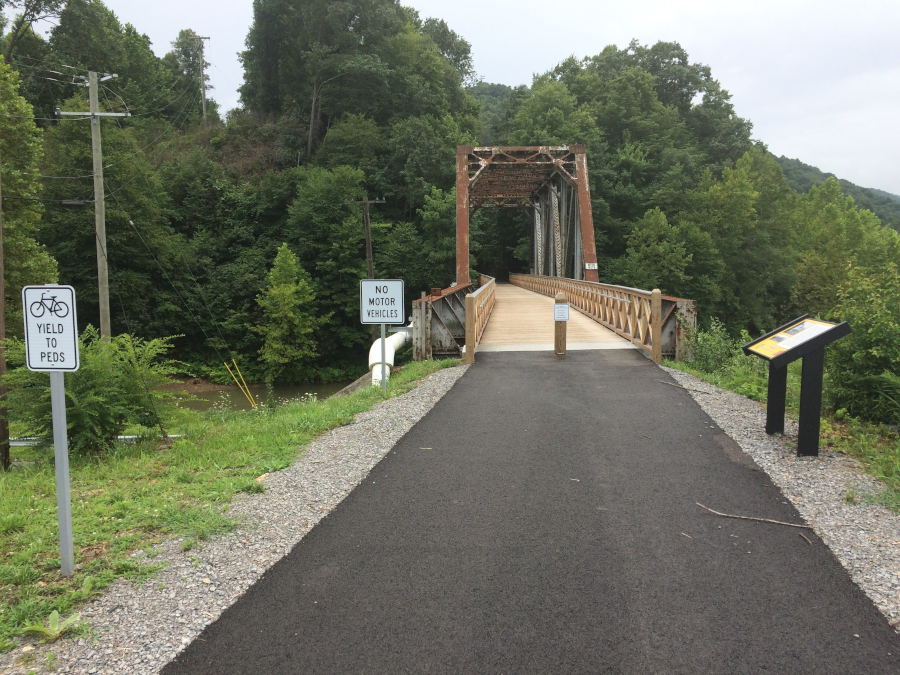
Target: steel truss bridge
point(549, 184)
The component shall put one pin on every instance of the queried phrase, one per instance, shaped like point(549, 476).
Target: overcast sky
point(820, 79)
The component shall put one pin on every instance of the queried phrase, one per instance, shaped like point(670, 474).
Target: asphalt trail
point(542, 519)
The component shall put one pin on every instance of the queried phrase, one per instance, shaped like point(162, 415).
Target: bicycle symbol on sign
point(56, 308)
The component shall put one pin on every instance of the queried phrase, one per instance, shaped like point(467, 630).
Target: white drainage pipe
point(392, 345)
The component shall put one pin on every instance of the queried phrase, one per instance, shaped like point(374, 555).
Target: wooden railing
point(479, 306)
point(632, 313)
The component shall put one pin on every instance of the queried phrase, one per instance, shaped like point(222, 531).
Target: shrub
point(115, 385)
point(712, 349)
point(864, 367)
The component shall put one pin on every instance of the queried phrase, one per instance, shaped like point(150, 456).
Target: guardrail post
point(471, 328)
point(656, 324)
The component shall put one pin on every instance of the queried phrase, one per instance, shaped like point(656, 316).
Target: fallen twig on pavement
point(762, 520)
point(804, 536)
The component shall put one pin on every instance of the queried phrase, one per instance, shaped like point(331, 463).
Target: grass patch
point(137, 495)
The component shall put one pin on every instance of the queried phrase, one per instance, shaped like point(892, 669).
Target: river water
point(231, 398)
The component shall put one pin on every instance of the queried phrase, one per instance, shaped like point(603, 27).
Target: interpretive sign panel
point(802, 338)
point(791, 337)
point(51, 328)
point(381, 301)
point(561, 311)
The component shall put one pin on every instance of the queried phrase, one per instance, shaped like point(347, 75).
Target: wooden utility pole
point(370, 261)
point(5, 460)
point(203, 76)
point(365, 201)
point(99, 201)
point(99, 207)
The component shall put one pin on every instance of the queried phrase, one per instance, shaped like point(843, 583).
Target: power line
point(171, 127)
point(25, 173)
point(187, 266)
point(150, 112)
point(169, 279)
point(197, 283)
point(69, 202)
point(49, 119)
point(134, 155)
point(60, 65)
point(134, 354)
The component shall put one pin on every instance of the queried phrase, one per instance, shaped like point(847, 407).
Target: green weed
point(253, 487)
point(54, 628)
point(12, 522)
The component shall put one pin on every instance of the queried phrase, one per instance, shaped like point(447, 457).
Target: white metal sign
point(51, 328)
point(590, 266)
point(381, 301)
point(561, 311)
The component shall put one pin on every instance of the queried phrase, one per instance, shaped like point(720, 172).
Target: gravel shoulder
point(137, 629)
point(864, 537)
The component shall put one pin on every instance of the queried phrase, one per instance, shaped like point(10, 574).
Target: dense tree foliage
point(244, 234)
point(26, 261)
point(802, 177)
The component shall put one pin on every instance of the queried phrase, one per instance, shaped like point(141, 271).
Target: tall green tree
point(32, 11)
point(288, 326)
point(656, 257)
point(834, 233)
point(25, 260)
point(187, 68)
point(746, 217)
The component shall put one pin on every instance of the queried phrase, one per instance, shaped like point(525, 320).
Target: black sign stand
point(813, 354)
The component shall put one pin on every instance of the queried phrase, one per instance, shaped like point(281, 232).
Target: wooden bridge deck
point(523, 321)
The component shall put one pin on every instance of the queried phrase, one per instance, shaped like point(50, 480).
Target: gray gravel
point(137, 629)
point(864, 537)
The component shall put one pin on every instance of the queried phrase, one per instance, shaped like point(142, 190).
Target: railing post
point(426, 312)
point(655, 324)
point(471, 328)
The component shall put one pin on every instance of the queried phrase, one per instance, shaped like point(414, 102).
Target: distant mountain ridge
point(883, 204)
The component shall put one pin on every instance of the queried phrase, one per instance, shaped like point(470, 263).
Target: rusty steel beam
point(462, 213)
point(585, 217)
point(512, 177)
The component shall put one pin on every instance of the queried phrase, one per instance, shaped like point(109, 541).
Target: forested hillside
point(340, 100)
point(801, 177)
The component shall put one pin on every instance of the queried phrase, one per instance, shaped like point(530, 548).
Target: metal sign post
point(383, 359)
point(381, 302)
point(51, 345)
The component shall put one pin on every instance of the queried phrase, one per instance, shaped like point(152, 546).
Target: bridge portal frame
point(513, 177)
